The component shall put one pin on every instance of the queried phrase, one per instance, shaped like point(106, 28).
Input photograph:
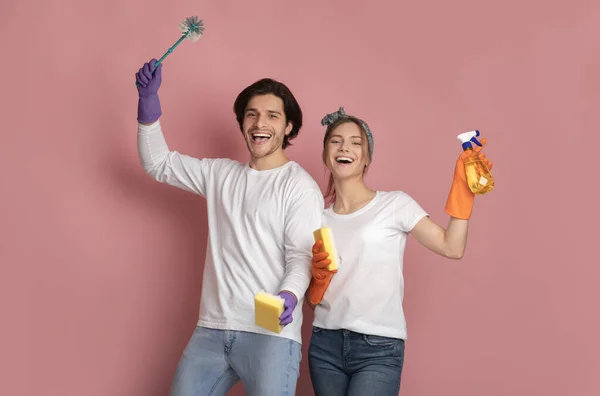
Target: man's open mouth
point(260, 137)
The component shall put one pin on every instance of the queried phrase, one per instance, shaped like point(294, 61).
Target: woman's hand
point(321, 276)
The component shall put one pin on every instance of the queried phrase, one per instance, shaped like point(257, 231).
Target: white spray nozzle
point(468, 137)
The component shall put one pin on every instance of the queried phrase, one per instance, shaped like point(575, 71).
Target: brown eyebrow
point(268, 111)
point(351, 137)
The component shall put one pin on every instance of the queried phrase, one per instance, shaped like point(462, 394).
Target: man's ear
point(288, 128)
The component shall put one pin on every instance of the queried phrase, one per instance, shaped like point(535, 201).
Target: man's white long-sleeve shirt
point(260, 226)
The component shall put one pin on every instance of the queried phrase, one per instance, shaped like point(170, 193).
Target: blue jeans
point(345, 363)
point(215, 360)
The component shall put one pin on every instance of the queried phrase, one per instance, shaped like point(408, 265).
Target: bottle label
point(483, 181)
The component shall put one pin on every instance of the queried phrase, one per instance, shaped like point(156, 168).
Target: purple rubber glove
point(148, 104)
point(289, 304)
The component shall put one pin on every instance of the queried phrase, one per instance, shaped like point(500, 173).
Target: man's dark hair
point(291, 108)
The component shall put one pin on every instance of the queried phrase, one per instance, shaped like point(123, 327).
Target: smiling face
point(265, 126)
point(346, 153)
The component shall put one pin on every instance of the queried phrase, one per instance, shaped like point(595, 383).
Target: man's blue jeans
point(345, 363)
point(214, 360)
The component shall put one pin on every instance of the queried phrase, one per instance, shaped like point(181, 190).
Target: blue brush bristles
point(191, 28)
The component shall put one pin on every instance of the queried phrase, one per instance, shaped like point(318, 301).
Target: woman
point(357, 344)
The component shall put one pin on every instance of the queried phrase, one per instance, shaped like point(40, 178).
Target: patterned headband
point(330, 118)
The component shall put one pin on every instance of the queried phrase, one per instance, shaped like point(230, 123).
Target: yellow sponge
point(326, 235)
point(267, 310)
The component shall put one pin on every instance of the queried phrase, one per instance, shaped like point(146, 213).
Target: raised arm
point(158, 161)
point(452, 241)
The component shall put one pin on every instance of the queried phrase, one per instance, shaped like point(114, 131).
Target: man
point(261, 216)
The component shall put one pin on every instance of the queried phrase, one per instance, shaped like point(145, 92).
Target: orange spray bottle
point(479, 177)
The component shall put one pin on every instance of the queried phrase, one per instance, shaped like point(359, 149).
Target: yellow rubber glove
point(460, 199)
point(321, 276)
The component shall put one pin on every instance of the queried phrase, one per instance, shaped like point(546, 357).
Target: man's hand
point(289, 304)
point(149, 109)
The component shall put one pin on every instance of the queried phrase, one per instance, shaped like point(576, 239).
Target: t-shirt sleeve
point(169, 166)
point(407, 212)
point(303, 217)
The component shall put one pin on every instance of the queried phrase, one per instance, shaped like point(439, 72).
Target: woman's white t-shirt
point(366, 293)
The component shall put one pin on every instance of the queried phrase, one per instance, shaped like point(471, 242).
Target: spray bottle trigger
point(474, 140)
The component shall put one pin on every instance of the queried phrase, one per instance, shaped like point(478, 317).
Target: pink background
point(101, 266)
